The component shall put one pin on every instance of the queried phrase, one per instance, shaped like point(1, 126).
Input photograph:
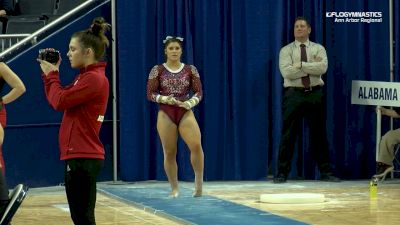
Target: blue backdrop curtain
point(396, 39)
point(235, 46)
point(357, 51)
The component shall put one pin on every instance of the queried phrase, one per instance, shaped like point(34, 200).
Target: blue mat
point(186, 209)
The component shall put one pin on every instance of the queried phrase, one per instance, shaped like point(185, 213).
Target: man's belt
point(303, 89)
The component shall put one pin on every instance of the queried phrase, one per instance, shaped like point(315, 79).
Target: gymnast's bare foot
point(197, 193)
point(174, 194)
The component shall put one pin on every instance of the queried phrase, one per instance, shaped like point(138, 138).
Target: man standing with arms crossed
point(302, 64)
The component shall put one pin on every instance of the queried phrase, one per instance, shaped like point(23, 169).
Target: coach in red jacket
point(84, 104)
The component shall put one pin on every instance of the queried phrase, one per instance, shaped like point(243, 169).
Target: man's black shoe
point(329, 178)
point(280, 178)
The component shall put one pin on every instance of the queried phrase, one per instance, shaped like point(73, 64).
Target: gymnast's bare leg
point(190, 133)
point(168, 132)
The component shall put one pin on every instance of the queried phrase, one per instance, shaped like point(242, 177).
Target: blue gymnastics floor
point(188, 210)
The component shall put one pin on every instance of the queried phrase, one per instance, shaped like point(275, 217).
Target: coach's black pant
point(298, 104)
point(80, 186)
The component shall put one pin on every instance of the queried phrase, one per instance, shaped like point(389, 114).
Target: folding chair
point(396, 161)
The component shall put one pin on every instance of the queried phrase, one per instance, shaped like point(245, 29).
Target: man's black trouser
point(298, 104)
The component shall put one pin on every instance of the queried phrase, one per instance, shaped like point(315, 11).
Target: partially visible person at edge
point(169, 84)
point(6, 9)
point(84, 104)
point(7, 76)
point(302, 64)
point(386, 154)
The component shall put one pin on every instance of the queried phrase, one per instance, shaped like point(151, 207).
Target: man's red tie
point(303, 57)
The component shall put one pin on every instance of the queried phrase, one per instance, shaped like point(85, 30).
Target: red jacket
point(84, 103)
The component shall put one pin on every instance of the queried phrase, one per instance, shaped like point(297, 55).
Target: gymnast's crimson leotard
point(179, 83)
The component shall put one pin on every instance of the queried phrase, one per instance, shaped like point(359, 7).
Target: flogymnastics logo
point(356, 17)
